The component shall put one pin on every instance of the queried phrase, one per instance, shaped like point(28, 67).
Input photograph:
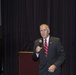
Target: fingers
point(38, 48)
point(52, 68)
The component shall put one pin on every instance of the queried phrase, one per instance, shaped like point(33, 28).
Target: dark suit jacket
point(56, 56)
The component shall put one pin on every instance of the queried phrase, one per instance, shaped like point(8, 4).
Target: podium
point(26, 64)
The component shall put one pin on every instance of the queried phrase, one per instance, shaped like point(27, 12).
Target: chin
point(44, 37)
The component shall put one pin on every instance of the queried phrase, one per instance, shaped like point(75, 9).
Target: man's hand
point(52, 68)
point(38, 48)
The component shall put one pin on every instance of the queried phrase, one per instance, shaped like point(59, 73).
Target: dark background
point(20, 26)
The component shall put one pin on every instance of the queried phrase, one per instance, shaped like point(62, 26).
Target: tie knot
point(45, 40)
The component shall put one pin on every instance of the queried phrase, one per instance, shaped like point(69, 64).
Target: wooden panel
point(26, 65)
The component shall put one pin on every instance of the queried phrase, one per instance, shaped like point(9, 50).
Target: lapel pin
point(50, 42)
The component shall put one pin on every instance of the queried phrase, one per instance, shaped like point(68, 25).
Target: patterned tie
point(45, 48)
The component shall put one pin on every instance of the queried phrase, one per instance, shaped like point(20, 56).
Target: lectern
point(26, 65)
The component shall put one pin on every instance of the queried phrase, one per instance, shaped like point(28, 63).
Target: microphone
point(28, 47)
point(23, 47)
point(40, 43)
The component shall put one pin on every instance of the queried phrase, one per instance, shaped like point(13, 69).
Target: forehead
point(43, 26)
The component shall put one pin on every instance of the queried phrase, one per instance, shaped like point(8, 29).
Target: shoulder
point(54, 38)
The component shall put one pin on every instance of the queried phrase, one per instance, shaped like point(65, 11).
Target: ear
point(48, 30)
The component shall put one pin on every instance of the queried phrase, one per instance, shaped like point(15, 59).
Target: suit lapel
point(49, 46)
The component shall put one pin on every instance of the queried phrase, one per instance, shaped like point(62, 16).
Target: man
point(50, 52)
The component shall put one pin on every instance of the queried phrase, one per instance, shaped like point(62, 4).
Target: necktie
point(45, 48)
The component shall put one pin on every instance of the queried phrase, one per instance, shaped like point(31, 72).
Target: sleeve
point(35, 55)
point(60, 54)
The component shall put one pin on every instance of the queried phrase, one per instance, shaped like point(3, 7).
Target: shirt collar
point(47, 39)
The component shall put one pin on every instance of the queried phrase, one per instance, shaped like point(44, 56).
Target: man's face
point(44, 31)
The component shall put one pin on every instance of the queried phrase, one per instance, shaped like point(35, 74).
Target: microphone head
point(40, 41)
